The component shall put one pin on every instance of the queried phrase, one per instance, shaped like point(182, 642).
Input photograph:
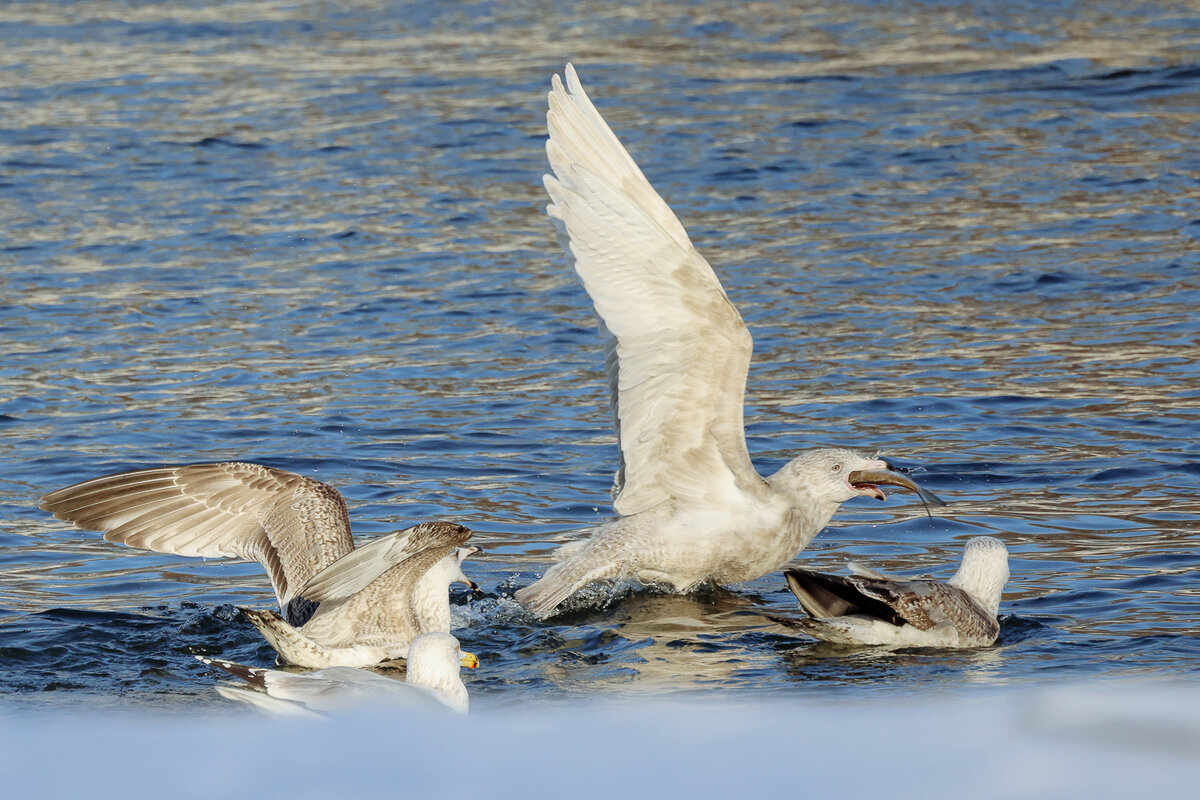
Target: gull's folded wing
point(354, 571)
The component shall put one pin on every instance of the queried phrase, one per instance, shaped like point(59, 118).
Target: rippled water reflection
point(961, 234)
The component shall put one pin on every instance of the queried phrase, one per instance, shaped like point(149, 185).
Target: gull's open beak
point(866, 480)
point(464, 553)
point(469, 660)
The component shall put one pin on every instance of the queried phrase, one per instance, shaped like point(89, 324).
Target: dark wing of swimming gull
point(676, 350)
point(294, 526)
point(823, 596)
point(923, 604)
point(354, 571)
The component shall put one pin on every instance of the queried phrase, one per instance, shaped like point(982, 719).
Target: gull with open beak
point(692, 507)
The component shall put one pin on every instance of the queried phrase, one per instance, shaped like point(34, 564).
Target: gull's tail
point(543, 597)
point(562, 580)
point(837, 631)
point(291, 645)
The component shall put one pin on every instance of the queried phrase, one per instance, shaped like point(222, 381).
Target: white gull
point(369, 603)
point(692, 508)
point(431, 681)
point(871, 608)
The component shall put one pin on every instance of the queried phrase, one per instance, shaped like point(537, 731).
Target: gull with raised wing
point(870, 608)
point(692, 508)
point(341, 605)
point(431, 682)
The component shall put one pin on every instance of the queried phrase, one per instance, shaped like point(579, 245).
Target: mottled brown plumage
point(294, 526)
point(870, 608)
point(372, 601)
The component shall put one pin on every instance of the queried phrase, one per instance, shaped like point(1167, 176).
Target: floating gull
point(369, 603)
point(431, 682)
point(876, 609)
point(692, 507)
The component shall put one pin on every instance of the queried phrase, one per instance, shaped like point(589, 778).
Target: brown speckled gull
point(871, 608)
point(372, 601)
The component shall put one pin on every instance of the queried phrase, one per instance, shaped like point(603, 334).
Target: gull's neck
point(808, 511)
point(431, 595)
point(442, 679)
point(984, 582)
point(799, 494)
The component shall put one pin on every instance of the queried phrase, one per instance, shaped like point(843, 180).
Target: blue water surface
point(962, 234)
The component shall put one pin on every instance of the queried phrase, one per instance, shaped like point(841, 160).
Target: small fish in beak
point(867, 480)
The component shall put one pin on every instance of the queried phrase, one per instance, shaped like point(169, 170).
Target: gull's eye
point(837, 467)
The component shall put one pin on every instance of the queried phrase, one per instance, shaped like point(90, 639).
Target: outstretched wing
point(294, 526)
point(676, 350)
point(354, 571)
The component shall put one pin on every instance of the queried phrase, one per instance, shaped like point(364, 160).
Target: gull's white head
point(833, 475)
point(448, 570)
point(433, 662)
point(459, 555)
point(983, 572)
point(828, 472)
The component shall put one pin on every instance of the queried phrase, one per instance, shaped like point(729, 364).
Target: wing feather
point(825, 596)
point(677, 352)
point(926, 604)
point(294, 526)
point(388, 603)
point(354, 571)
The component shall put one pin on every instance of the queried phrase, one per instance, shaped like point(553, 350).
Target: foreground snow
point(1106, 740)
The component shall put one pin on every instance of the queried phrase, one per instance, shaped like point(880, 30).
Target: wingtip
point(574, 85)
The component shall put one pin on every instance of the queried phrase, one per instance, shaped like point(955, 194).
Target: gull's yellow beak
point(469, 660)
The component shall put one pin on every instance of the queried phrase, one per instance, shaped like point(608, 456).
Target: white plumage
point(432, 681)
point(692, 506)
